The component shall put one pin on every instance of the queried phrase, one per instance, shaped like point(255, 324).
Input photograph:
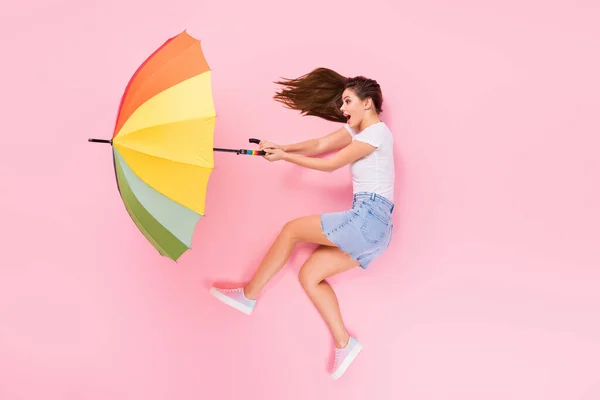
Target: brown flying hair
point(319, 93)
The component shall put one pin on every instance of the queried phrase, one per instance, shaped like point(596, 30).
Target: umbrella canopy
point(163, 144)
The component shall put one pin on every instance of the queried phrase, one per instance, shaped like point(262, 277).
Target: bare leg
point(326, 262)
point(304, 229)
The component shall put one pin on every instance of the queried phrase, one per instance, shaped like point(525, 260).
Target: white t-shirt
point(375, 172)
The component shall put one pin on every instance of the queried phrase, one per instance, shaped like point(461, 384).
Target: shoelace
point(337, 354)
point(232, 290)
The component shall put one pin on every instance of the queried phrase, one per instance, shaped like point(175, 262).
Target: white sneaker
point(234, 298)
point(344, 357)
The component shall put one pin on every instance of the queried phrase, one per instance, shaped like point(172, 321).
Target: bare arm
point(313, 147)
point(352, 152)
point(334, 141)
point(307, 148)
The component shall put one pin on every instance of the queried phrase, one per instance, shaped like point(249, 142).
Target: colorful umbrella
point(163, 144)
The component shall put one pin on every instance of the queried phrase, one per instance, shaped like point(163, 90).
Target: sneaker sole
point(347, 361)
point(230, 302)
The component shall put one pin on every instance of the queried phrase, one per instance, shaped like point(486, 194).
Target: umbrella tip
point(99, 140)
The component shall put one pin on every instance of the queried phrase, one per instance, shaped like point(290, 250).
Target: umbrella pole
point(236, 151)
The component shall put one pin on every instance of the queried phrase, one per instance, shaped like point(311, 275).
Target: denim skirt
point(365, 230)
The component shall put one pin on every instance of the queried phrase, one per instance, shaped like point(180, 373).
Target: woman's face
point(353, 108)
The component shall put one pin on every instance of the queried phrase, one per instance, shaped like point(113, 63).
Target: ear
point(368, 103)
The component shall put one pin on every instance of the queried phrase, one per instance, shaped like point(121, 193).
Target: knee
point(307, 279)
point(289, 230)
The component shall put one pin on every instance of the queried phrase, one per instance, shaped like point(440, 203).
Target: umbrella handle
point(260, 152)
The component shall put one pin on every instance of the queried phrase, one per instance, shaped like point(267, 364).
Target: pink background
point(488, 291)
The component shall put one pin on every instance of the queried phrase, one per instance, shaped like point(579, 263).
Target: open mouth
point(348, 116)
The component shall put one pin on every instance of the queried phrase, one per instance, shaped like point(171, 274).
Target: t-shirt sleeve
point(374, 137)
point(350, 130)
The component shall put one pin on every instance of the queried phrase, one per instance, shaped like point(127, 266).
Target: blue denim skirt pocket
point(364, 231)
point(373, 227)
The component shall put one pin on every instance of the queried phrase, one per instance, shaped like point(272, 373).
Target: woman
point(347, 239)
